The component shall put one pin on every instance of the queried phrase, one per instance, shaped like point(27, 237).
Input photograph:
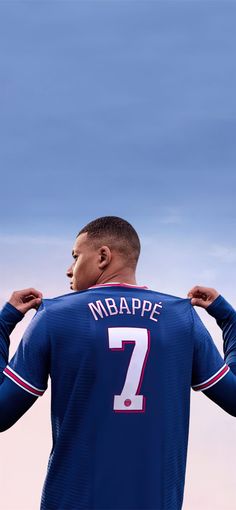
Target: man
point(122, 360)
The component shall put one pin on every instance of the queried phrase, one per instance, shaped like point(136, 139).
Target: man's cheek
point(78, 270)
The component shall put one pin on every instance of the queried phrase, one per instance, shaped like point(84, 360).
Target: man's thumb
point(34, 303)
point(37, 302)
point(198, 302)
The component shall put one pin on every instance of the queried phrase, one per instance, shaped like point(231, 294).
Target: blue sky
point(124, 108)
point(117, 107)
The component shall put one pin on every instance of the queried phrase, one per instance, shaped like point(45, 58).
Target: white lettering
point(99, 309)
point(124, 305)
point(111, 306)
point(134, 307)
point(154, 312)
point(146, 308)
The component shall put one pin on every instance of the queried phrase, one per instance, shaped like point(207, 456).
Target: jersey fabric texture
point(122, 360)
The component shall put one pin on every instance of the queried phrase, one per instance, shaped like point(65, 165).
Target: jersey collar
point(118, 284)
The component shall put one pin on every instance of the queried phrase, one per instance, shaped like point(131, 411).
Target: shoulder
point(171, 299)
point(62, 302)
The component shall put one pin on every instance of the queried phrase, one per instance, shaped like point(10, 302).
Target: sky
point(127, 108)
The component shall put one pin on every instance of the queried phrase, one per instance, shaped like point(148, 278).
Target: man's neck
point(124, 277)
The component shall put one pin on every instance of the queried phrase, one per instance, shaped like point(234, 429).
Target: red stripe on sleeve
point(213, 380)
point(25, 385)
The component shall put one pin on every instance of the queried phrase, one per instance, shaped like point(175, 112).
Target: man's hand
point(24, 300)
point(202, 296)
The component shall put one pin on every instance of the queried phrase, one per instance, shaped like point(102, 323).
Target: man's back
point(122, 360)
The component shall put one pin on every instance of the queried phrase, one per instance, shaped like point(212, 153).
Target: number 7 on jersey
point(129, 400)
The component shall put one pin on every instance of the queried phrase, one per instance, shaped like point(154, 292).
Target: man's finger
point(26, 299)
point(35, 303)
point(30, 291)
point(200, 302)
point(200, 291)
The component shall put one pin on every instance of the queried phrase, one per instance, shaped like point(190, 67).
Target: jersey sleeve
point(225, 316)
point(29, 367)
point(208, 365)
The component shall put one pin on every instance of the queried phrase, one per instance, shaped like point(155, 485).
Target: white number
point(129, 400)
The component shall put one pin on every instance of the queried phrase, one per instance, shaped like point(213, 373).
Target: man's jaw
point(72, 287)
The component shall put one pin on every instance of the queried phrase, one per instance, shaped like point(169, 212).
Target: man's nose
point(69, 272)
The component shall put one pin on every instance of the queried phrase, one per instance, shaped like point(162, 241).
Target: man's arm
point(224, 392)
point(14, 401)
point(225, 316)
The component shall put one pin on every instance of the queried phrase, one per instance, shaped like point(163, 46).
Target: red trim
point(118, 285)
point(22, 383)
point(212, 381)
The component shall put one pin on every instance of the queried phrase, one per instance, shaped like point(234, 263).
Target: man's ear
point(104, 257)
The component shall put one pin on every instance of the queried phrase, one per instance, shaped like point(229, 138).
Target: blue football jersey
point(122, 360)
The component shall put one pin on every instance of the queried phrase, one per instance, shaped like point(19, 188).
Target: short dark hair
point(116, 233)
